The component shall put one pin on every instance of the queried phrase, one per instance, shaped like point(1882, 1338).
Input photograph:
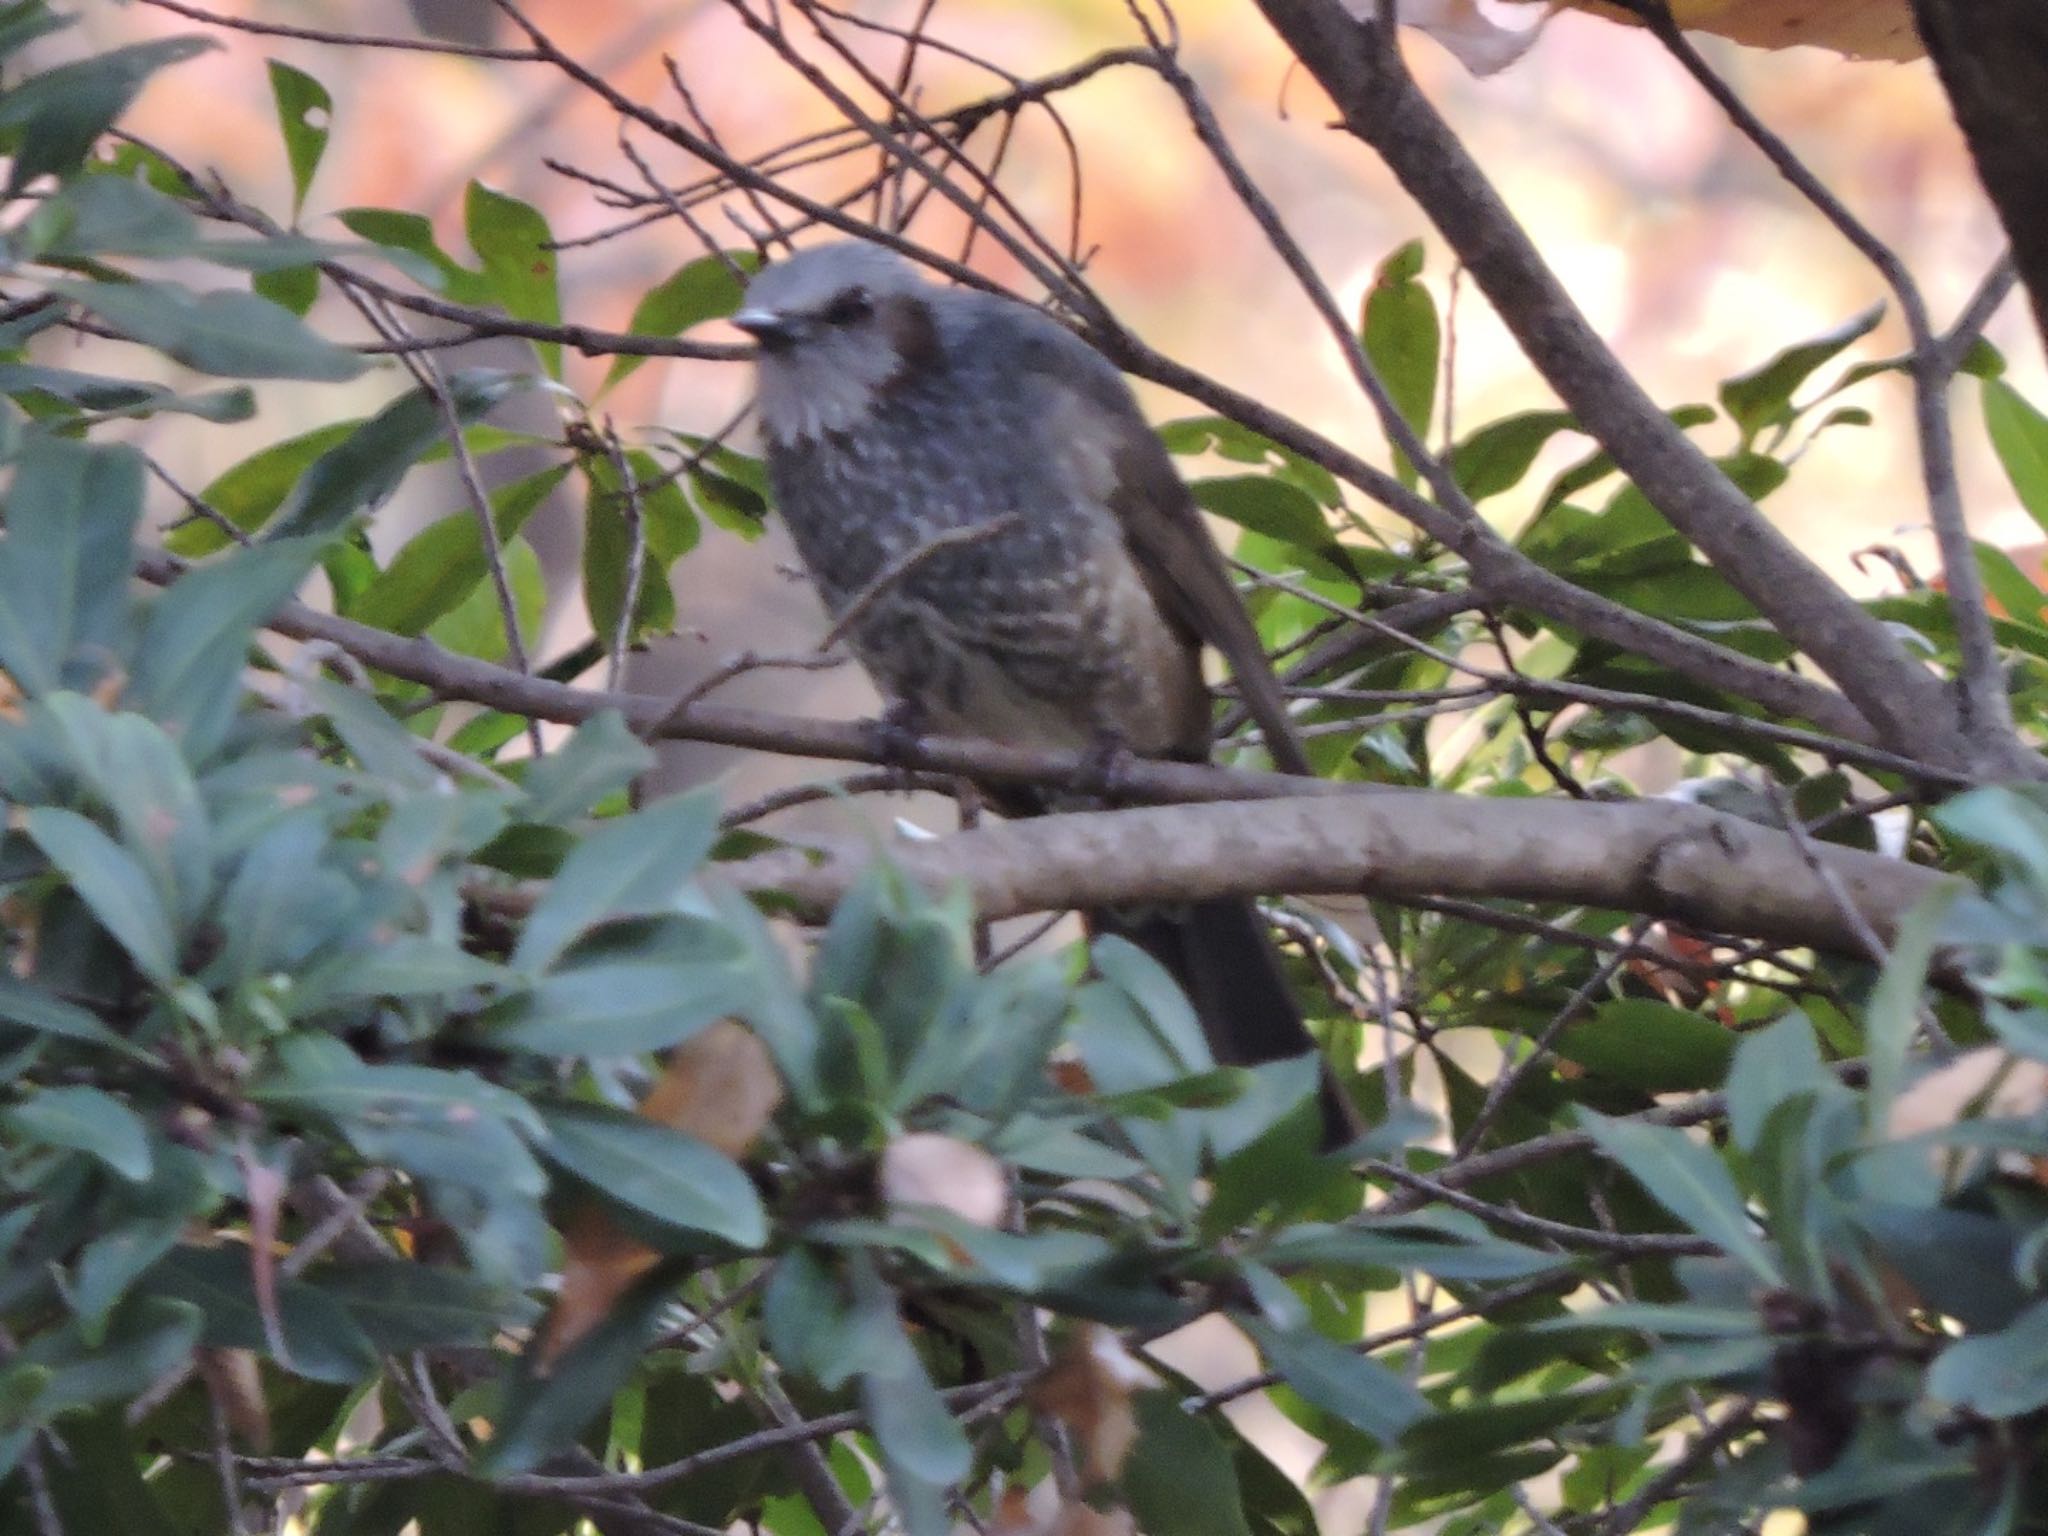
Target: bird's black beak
point(771, 331)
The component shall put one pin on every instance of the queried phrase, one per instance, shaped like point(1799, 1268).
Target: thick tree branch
point(1655, 857)
point(1993, 59)
point(1360, 66)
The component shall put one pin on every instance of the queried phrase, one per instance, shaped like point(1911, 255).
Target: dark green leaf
point(1771, 1065)
point(2000, 1375)
point(1688, 1180)
point(2019, 436)
point(61, 113)
point(1179, 1477)
point(292, 288)
point(519, 262)
point(1494, 458)
point(600, 759)
point(366, 466)
point(672, 1177)
point(548, 1402)
point(645, 989)
point(443, 564)
point(188, 668)
point(321, 1340)
point(242, 335)
point(32, 1007)
point(1270, 506)
point(110, 881)
point(304, 111)
point(1763, 396)
point(668, 530)
point(1404, 341)
point(1650, 1045)
point(1358, 1390)
point(704, 289)
point(108, 398)
point(85, 1120)
point(71, 515)
point(402, 1305)
point(626, 867)
point(247, 494)
point(910, 1422)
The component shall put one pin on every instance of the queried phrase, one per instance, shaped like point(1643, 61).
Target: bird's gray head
point(836, 324)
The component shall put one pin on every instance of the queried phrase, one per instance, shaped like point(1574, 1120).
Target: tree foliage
point(405, 1126)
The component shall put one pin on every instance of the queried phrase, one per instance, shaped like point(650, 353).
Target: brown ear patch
point(907, 321)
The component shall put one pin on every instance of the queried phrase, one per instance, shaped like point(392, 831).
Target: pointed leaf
point(1689, 1181)
point(62, 112)
point(109, 880)
point(304, 117)
point(241, 335)
point(633, 865)
point(672, 1177)
point(518, 261)
point(86, 1120)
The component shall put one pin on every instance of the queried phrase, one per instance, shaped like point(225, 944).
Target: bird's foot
point(1106, 767)
point(894, 737)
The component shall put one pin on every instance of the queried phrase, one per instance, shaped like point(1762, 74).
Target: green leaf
point(704, 289)
point(444, 563)
point(549, 1402)
point(113, 883)
point(519, 262)
point(365, 467)
point(1405, 342)
point(1357, 1389)
point(1650, 1045)
point(1763, 396)
point(1496, 457)
point(668, 530)
point(633, 987)
point(64, 565)
point(86, 1120)
point(251, 491)
point(1268, 505)
point(292, 288)
point(1407, 1243)
point(137, 770)
point(1771, 1066)
point(411, 237)
point(476, 625)
point(2019, 436)
point(402, 1306)
point(1689, 1181)
point(108, 216)
point(917, 1435)
point(1179, 1477)
point(61, 113)
point(625, 868)
point(31, 1007)
point(195, 642)
point(304, 111)
point(2000, 1375)
point(674, 1178)
point(599, 760)
point(321, 1340)
point(1893, 1016)
point(241, 335)
point(111, 398)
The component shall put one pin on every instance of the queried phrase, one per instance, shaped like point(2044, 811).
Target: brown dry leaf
point(1088, 1388)
point(924, 1168)
point(235, 1383)
point(11, 699)
point(1860, 29)
point(719, 1086)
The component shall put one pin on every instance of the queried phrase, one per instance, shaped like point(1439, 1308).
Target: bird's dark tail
point(1220, 954)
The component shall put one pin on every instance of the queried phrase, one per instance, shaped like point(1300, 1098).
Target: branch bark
point(1360, 66)
point(1656, 857)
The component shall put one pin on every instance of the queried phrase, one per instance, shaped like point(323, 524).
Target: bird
point(1009, 551)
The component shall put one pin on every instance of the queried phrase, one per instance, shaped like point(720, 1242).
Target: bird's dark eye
point(851, 306)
